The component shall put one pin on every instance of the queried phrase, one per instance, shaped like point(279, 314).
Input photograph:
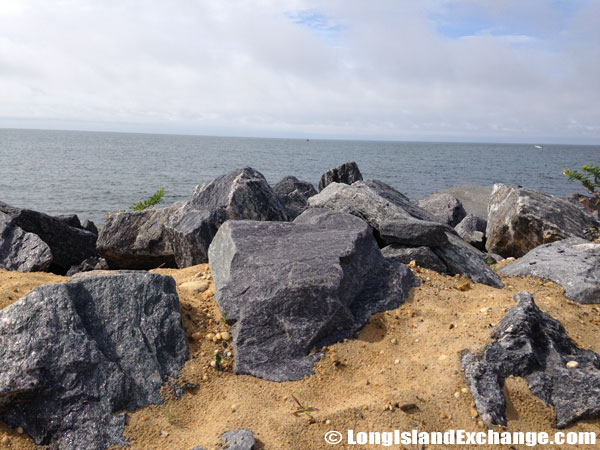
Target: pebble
point(164, 433)
point(381, 352)
point(443, 357)
point(20, 430)
point(5, 440)
point(464, 287)
point(210, 336)
point(464, 390)
point(229, 354)
point(197, 336)
point(204, 377)
point(328, 422)
point(572, 365)
point(394, 341)
point(396, 361)
point(457, 394)
point(474, 412)
point(480, 423)
point(233, 408)
point(218, 336)
point(194, 287)
point(213, 364)
point(225, 335)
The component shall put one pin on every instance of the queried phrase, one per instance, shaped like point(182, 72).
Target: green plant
point(304, 409)
point(154, 200)
point(589, 178)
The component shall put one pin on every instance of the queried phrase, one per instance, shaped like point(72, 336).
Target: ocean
point(92, 173)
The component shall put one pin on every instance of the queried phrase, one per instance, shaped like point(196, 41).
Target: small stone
point(456, 394)
point(396, 361)
point(381, 352)
point(464, 287)
point(572, 365)
point(229, 354)
point(194, 287)
point(218, 336)
point(197, 336)
point(474, 412)
point(464, 390)
point(225, 335)
point(480, 424)
point(233, 408)
point(394, 341)
point(409, 407)
point(213, 364)
point(164, 433)
point(5, 440)
point(443, 416)
point(443, 357)
point(20, 430)
point(204, 377)
point(210, 336)
point(328, 422)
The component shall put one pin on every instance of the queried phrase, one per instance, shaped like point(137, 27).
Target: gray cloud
point(482, 70)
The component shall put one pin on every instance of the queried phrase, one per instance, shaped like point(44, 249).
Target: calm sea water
point(90, 173)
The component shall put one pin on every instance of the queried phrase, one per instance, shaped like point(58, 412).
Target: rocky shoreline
point(296, 271)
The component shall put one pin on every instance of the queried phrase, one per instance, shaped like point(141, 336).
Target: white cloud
point(335, 68)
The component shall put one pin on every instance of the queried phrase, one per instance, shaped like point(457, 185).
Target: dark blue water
point(89, 173)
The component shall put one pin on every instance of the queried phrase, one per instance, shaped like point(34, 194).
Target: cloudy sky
point(474, 70)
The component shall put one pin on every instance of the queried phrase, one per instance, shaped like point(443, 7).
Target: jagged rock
point(445, 207)
point(241, 194)
point(347, 173)
point(293, 195)
point(70, 219)
point(69, 245)
point(461, 258)
point(137, 239)
point(413, 232)
point(474, 198)
point(92, 263)
point(587, 203)
point(238, 440)
point(290, 287)
point(573, 263)
point(472, 230)
point(90, 226)
point(21, 251)
point(379, 204)
point(520, 219)
point(422, 256)
point(528, 343)
point(99, 344)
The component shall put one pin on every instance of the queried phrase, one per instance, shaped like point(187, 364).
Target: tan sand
point(363, 391)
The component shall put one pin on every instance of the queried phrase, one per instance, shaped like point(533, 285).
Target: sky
point(443, 70)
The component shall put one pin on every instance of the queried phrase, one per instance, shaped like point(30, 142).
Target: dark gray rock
point(92, 263)
point(347, 173)
point(461, 258)
point(520, 219)
point(90, 226)
point(422, 256)
point(474, 198)
point(238, 440)
point(69, 245)
point(21, 251)
point(528, 343)
point(290, 287)
point(413, 232)
point(70, 219)
point(472, 230)
point(573, 263)
point(241, 194)
point(446, 208)
point(293, 195)
point(587, 203)
point(137, 239)
point(98, 345)
point(379, 204)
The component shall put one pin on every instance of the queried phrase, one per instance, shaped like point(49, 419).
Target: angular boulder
point(520, 219)
point(69, 245)
point(21, 251)
point(293, 195)
point(70, 219)
point(98, 345)
point(382, 207)
point(241, 194)
point(473, 197)
point(472, 230)
point(347, 173)
point(572, 263)
point(413, 232)
point(291, 287)
point(445, 207)
point(528, 343)
point(422, 256)
point(137, 239)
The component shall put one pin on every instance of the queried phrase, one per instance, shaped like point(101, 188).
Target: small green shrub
point(154, 200)
point(589, 178)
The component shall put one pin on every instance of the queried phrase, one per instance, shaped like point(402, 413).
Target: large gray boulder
point(179, 235)
point(74, 354)
point(472, 230)
point(528, 343)
point(21, 251)
point(137, 239)
point(291, 287)
point(422, 256)
point(473, 197)
point(241, 194)
point(293, 195)
point(446, 208)
point(386, 210)
point(347, 173)
point(573, 263)
point(69, 245)
point(520, 219)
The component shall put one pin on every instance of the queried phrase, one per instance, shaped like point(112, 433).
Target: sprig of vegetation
point(589, 178)
point(304, 409)
point(154, 200)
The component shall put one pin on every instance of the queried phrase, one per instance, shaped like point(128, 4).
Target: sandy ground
point(408, 355)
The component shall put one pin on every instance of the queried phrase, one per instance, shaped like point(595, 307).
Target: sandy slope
point(425, 335)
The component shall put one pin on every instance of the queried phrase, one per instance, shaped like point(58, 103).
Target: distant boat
point(539, 146)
